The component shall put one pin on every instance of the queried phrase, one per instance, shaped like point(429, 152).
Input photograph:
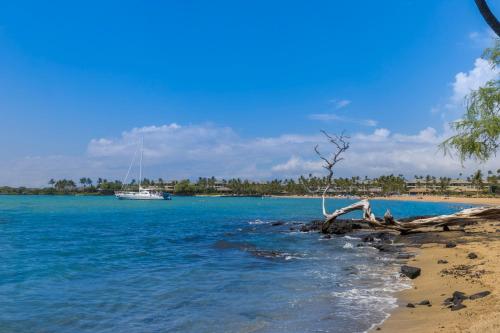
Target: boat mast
point(140, 164)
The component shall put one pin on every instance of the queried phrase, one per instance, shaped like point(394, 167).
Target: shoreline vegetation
point(395, 187)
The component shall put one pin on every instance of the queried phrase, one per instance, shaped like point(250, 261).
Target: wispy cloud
point(331, 117)
point(482, 39)
point(340, 103)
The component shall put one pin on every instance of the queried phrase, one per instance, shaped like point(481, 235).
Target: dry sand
point(438, 281)
point(428, 198)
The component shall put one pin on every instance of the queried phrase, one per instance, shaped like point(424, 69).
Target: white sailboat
point(142, 193)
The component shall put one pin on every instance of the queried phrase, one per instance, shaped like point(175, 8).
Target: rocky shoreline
point(454, 274)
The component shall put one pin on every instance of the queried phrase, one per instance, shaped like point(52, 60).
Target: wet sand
point(438, 282)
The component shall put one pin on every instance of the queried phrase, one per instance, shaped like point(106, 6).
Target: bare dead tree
point(341, 145)
point(461, 218)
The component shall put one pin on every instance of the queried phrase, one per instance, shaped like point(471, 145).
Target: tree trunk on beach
point(463, 217)
point(341, 145)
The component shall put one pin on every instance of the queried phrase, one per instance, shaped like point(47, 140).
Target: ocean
point(193, 264)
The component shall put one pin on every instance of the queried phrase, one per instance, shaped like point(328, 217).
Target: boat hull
point(142, 196)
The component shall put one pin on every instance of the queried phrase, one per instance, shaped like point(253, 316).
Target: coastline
point(439, 281)
point(438, 198)
point(425, 198)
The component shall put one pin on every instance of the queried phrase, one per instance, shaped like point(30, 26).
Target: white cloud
point(427, 135)
point(173, 152)
point(296, 166)
point(475, 78)
point(482, 39)
point(380, 134)
point(330, 117)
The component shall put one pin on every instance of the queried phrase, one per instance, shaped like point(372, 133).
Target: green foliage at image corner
point(478, 132)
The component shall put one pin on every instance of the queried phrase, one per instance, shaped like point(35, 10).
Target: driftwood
point(341, 145)
point(463, 217)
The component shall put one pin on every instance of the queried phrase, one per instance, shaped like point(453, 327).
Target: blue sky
point(76, 79)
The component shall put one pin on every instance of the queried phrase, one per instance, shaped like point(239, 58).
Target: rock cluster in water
point(340, 227)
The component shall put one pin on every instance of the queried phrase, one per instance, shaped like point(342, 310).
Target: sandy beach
point(438, 198)
point(458, 271)
point(428, 198)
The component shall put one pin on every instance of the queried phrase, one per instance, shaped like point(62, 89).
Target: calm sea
point(97, 264)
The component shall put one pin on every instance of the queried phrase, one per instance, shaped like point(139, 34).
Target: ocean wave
point(350, 237)
point(257, 221)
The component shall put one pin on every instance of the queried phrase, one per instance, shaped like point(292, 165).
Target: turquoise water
point(97, 264)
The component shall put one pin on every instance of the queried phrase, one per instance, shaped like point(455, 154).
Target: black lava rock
point(442, 261)
point(274, 224)
point(479, 295)
point(312, 226)
point(410, 271)
point(404, 256)
point(357, 226)
point(451, 244)
point(456, 307)
point(458, 295)
point(410, 305)
point(472, 255)
point(368, 239)
point(340, 228)
point(386, 248)
point(455, 302)
point(425, 302)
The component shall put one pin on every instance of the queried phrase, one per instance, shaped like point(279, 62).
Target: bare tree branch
point(488, 16)
point(341, 145)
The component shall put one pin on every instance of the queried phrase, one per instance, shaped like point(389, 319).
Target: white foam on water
point(379, 298)
point(350, 237)
point(348, 246)
point(257, 221)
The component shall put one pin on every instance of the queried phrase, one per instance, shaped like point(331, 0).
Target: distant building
point(422, 186)
point(221, 187)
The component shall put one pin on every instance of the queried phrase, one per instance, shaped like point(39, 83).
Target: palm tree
point(52, 182)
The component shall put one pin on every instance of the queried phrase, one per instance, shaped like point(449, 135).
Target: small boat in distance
point(142, 193)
